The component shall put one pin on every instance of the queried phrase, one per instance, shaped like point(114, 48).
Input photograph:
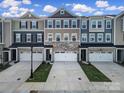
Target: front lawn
point(93, 74)
point(41, 73)
point(3, 67)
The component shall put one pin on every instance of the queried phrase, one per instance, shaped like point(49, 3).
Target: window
point(74, 23)
point(100, 37)
point(74, 36)
point(66, 37)
point(108, 24)
point(99, 24)
point(18, 38)
point(93, 24)
point(23, 24)
point(66, 23)
point(50, 23)
point(34, 24)
point(92, 37)
point(84, 37)
point(58, 23)
point(84, 24)
point(28, 37)
point(108, 37)
point(58, 37)
point(39, 37)
point(50, 37)
point(62, 12)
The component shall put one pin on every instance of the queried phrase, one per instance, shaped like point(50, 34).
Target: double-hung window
point(100, 37)
point(92, 37)
point(74, 23)
point(58, 37)
point(93, 24)
point(50, 24)
point(99, 24)
point(58, 23)
point(39, 37)
point(108, 37)
point(28, 39)
point(84, 24)
point(50, 37)
point(84, 37)
point(74, 36)
point(66, 23)
point(18, 38)
point(66, 36)
point(34, 24)
point(108, 24)
point(23, 24)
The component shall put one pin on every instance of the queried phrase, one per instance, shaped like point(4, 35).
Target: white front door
point(100, 56)
point(65, 56)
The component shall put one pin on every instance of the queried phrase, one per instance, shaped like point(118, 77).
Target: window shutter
point(37, 25)
point(31, 25)
point(20, 24)
point(26, 24)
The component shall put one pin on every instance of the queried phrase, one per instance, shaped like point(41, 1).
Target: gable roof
point(122, 13)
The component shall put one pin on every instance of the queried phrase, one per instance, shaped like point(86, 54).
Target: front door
point(13, 53)
point(5, 56)
point(48, 55)
point(83, 55)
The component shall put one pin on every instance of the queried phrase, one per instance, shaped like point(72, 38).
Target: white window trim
point(101, 23)
point(23, 21)
point(39, 36)
point(90, 37)
point(56, 23)
point(74, 34)
point(56, 37)
point(66, 34)
point(92, 24)
point(97, 24)
point(84, 35)
point(110, 24)
point(29, 34)
point(64, 23)
point(98, 34)
point(35, 24)
point(85, 24)
point(106, 37)
point(72, 23)
point(48, 23)
point(62, 12)
point(18, 36)
point(49, 37)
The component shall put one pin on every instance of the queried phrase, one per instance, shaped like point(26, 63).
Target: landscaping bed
point(3, 67)
point(93, 74)
point(41, 73)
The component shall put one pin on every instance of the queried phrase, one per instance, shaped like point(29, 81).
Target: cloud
point(98, 13)
point(102, 4)
point(112, 8)
point(36, 5)
point(78, 14)
point(49, 9)
point(26, 1)
point(82, 8)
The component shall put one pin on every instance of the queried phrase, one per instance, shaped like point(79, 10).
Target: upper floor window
point(74, 23)
point(34, 24)
point(66, 37)
point(93, 24)
point(58, 23)
point(66, 23)
point(96, 23)
point(108, 37)
point(18, 38)
point(84, 37)
point(99, 24)
point(84, 24)
point(74, 36)
point(58, 37)
point(28, 39)
point(92, 37)
point(23, 24)
point(39, 37)
point(50, 37)
point(50, 24)
point(62, 12)
point(100, 37)
point(108, 24)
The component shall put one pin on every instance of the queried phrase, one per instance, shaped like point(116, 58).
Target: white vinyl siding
point(58, 37)
point(100, 37)
point(92, 37)
point(108, 24)
point(28, 38)
point(49, 23)
point(84, 24)
point(74, 23)
point(66, 37)
point(66, 24)
point(84, 37)
point(50, 37)
point(74, 37)
point(39, 37)
point(108, 37)
point(58, 23)
point(18, 38)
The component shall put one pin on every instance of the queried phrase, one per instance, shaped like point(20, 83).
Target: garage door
point(26, 56)
point(100, 56)
point(63, 56)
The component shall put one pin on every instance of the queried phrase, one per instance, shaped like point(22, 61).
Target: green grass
point(41, 73)
point(93, 74)
point(3, 67)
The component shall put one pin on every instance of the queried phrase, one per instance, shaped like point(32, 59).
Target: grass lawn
point(93, 74)
point(3, 67)
point(41, 73)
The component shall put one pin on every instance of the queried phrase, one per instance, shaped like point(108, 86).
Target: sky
point(16, 8)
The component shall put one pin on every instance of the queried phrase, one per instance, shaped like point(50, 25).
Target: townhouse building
point(62, 37)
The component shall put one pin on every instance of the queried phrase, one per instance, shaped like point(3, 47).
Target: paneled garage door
point(100, 56)
point(26, 56)
point(64, 56)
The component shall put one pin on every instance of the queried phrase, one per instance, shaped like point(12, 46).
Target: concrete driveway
point(9, 77)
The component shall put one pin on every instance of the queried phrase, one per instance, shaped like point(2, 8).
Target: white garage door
point(100, 56)
point(26, 56)
point(65, 56)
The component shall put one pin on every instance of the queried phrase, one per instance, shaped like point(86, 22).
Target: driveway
point(9, 77)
